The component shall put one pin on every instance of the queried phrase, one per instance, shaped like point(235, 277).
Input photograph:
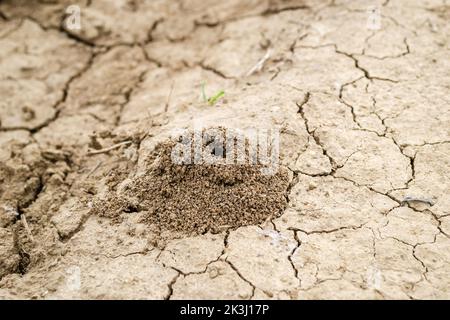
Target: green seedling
point(212, 100)
point(216, 97)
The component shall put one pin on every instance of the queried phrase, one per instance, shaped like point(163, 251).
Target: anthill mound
point(197, 198)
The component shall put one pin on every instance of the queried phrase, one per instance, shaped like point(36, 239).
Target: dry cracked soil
point(360, 91)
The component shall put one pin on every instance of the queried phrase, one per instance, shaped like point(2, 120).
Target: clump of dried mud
point(197, 198)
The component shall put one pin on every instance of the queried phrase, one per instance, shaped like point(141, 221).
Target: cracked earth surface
point(365, 124)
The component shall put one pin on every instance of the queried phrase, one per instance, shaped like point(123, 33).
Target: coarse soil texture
point(92, 92)
point(210, 196)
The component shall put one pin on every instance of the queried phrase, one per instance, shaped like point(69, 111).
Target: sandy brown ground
point(365, 120)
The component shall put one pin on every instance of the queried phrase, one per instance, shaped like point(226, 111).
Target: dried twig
point(25, 225)
point(109, 148)
point(166, 107)
point(95, 168)
point(258, 66)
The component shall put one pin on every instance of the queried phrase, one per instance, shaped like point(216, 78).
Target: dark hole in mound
point(130, 208)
